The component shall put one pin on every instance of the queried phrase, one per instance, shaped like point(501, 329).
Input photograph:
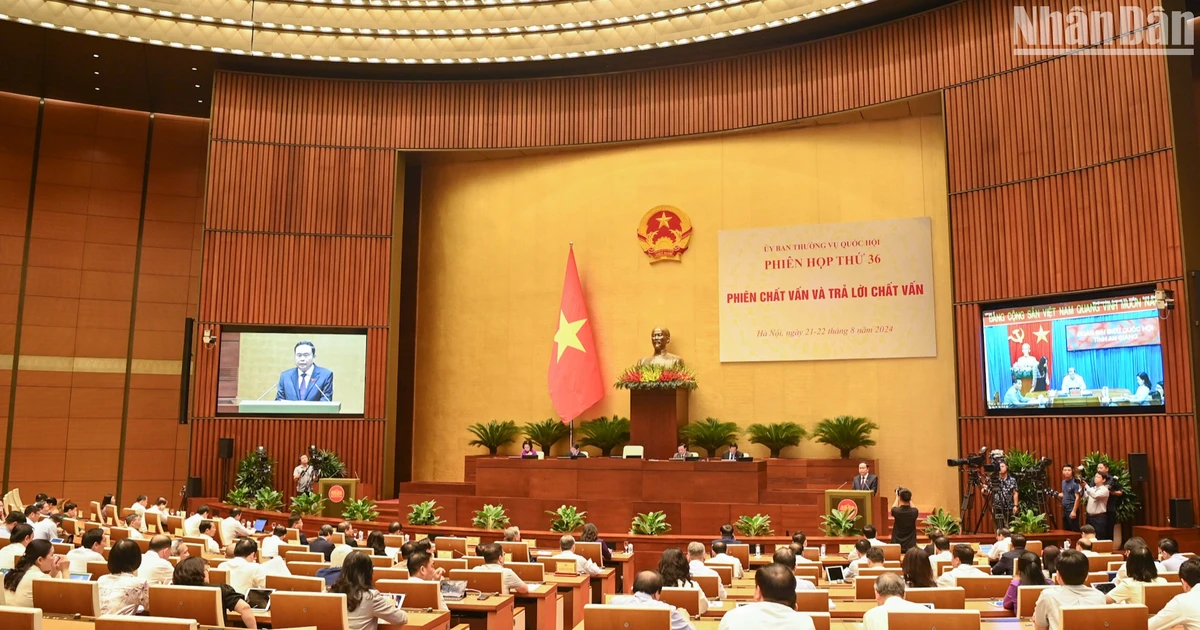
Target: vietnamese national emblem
point(664, 233)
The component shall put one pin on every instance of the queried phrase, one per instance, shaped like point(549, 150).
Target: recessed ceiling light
point(197, 85)
point(193, 68)
point(95, 56)
point(96, 72)
point(97, 89)
point(199, 101)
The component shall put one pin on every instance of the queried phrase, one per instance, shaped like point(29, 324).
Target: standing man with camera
point(1005, 498)
point(304, 475)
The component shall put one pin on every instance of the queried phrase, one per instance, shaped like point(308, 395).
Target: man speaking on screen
point(308, 382)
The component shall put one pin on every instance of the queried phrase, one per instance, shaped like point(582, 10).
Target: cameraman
point(305, 476)
point(1005, 498)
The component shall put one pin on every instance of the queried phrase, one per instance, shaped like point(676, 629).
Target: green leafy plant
point(328, 465)
point(546, 433)
point(494, 434)
point(308, 504)
point(711, 435)
point(490, 517)
point(840, 523)
point(241, 497)
point(757, 525)
point(605, 434)
point(254, 472)
point(425, 513)
point(656, 377)
point(1028, 522)
point(567, 518)
point(942, 521)
point(652, 524)
point(777, 435)
point(1130, 502)
point(360, 510)
point(845, 433)
point(1031, 478)
point(267, 499)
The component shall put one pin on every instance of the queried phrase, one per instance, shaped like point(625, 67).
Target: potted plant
point(1130, 503)
point(546, 433)
point(328, 465)
point(757, 525)
point(493, 435)
point(308, 504)
point(490, 517)
point(942, 521)
point(360, 510)
point(605, 434)
point(777, 435)
point(567, 519)
point(652, 524)
point(710, 435)
point(1028, 522)
point(425, 513)
point(241, 497)
point(267, 499)
point(840, 523)
point(254, 472)
point(845, 433)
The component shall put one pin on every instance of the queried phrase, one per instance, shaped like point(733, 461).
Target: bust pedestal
point(655, 418)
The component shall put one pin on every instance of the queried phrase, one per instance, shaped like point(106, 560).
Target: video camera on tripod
point(976, 462)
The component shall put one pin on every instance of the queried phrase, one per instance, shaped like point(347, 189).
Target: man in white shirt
point(889, 597)
point(159, 507)
point(786, 557)
point(774, 604)
point(1071, 575)
point(719, 556)
point(210, 545)
point(134, 523)
point(1168, 554)
point(14, 518)
point(1184, 609)
point(696, 566)
point(583, 566)
point(493, 560)
point(942, 545)
point(799, 542)
point(139, 506)
point(232, 528)
point(1073, 381)
point(89, 550)
point(191, 525)
point(962, 565)
point(647, 593)
point(420, 569)
point(1003, 544)
point(270, 544)
point(244, 570)
point(869, 533)
point(43, 526)
point(861, 548)
point(156, 568)
point(22, 535)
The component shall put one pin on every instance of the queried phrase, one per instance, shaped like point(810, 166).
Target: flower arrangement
point(656, 377)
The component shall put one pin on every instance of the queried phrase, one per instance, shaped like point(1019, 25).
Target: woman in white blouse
point(38, 563)
point(1141, 571)
point(365, 605)
point(122, 592)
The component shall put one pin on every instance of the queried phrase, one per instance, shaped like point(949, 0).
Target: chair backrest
point(326, 611)
point(519, 550)
point(292, 535)
point(864, 587)
point(634, 450)
point(941, 566)
point(306, 568)
point(809, 570)
point(303, 556)
point(202, 603)
point(591, 551)
point(337, 538)
point(1027, 597)
point(67, 597)
point(482, 581)
point(451, 543)
point(935, 620)
point(1157, 595)
point(878, 571)
point(417, 594)
point(1170, 577)
point(685, 598)
point(1100, 562)
point(296, 583)
point(725, 571)
point(1034, 546)
point(218, 576)
point(1105, 617)
point(534, 572)
point(890, 552)
point(382, 562)
point(95, 513)
point(285, 548)
point(13, 618)
point(393, 540)
point(1103, 546)
point(128, 622)
point(710, 584)
point(449, 565)
point(473, 561)
point(984, 587)
point(812, 601)
point(812, 553)
point(741, 551)
point(602, 617)
point(174, 523)
point(953, 598)
point(391, 573)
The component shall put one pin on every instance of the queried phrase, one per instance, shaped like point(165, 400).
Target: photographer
point(304, 475)
point(904, 529)
point(1004, 496)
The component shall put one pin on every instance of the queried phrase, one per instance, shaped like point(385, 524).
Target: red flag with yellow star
point(574, 377)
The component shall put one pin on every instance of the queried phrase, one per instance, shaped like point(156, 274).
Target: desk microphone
point(841, 486)
point(323, 395)
point(273, 386)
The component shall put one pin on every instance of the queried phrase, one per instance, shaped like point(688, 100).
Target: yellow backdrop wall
point(494, 239)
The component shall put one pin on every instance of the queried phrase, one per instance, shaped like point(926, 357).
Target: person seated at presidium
point(1144, 388)
point(527, 449)
point(681, 451)
point(647, 593)
point(1014, 398)
point(308, 381)
point(1072, 591)
point(733, 453)
point(194, 572)
point(774, 604)
point(1073, 381)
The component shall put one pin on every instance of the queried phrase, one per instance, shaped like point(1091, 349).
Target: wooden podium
point(336, 493)
point(862, 499)
point(655, 418)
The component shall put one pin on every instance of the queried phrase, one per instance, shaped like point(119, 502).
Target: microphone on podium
point(841, 486)
point(273, 386)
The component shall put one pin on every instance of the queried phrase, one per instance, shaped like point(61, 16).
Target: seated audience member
point(156, 567)
point(406, 550)
point(270, 544)
point(421, 569)
point(243, 569)
point(1029, 573)
point(377, 544)
point(13, 518)
point(38, 563)
point(122, 592)
point(134, 523)
point(1005, 565)
point(861, 548)
point(647, 593)
point(1071, 575)
point(39, 519)
point(51, 505)
point(583, 565)
point(941, 546)
point(347, 531)
point(1087, 533)
point(1084, 547)
point(787, 558)
point(191, 525)
point(22, 535)
point(591, 533)
point(1140, 571)
point(889, 597)
point(961, 565)
point(1129, 546)
point(395, 528)
point(321, 544)
point(105, 502)
point(1168, 554)
point(675, 572)
point(296, 522)
point(696, 566)
point(1002, 545)
point(141, 504)
point(194, 572)
point(918, 572)
point(718, 549)
point(1050, 561)
point(875, 558)
point(869, 533)
point(179, 549)
point(365, 606)
point(232, 528)
point(493, 560)
point(726, 534)
point(70, 510)
point(89, 550)
point(774, 604)
point(205, 532)
point(512, 534)
point(160, 507)
point(799, 543)
point(1184, 609)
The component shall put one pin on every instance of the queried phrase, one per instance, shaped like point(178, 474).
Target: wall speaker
point(1181, 513)
point(224, 448)
point(194, 487)
point(1139, 467)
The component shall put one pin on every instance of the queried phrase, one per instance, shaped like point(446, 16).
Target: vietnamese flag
point(574, 376)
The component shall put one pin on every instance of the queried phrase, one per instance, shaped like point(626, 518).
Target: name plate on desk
point(289, 407)
point(508, 558)
point(565, 567)
point(445, 554)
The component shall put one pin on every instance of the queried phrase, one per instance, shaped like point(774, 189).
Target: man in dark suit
point(732, 453)
point(307, 381)
point(865, 480)
point(1008, 561)
point(321, 544)
point(1115, 496)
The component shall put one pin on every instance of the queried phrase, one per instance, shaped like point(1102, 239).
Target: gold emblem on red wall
point(664, 233)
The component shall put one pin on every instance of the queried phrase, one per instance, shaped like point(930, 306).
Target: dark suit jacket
point(320, 385)
point(872, 483)
point(733, 456)
point(320, 545)
point(1004, 566)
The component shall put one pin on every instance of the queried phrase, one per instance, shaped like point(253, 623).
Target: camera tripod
point(967, 506)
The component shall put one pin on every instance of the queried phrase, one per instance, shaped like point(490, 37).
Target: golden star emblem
point(664, 220)
point(567, 335)
point(1041, 335)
